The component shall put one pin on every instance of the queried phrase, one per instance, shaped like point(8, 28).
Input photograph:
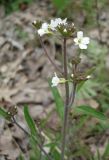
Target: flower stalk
point(64, 30)
point(46, 53)
point(66, 107)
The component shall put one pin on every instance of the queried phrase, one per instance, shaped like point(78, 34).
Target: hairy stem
point(28, 134)
point(66, 108)
point(50, 59)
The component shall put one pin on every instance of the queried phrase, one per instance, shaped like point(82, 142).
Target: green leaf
point(21, 157)
point(106, 152)
point(30, 121)
point(89, 72)
point(4, 114)
point(91, 111)
point(58, 101)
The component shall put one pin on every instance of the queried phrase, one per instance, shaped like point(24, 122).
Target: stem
point(27, 133)
point(72, 96)
point(46, 53)
point(66, 108)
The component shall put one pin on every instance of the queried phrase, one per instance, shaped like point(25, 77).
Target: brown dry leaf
point(8, 146)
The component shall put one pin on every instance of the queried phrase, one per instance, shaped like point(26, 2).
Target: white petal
point(76, 41)
point(44, 26)
point(79, 34)
point(82, 46)
point(53, 24)
point(64, 21)
point(58, 20)
point(55, 74)
point(86, 40)
point(41, 32)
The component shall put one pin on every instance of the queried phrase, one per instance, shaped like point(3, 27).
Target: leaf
point(4, 114)
point(58, 100)
point(21, 157)
point(106, 152)
point(91, 111)
point(89, 72)
point(30, 121)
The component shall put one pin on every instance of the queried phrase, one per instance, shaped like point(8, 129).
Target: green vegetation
point(13, 5)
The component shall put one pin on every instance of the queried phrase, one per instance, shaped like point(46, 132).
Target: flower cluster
point(47, 28)
point(64, 29)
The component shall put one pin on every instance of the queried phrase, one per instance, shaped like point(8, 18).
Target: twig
point(66, 108)
point(27, 133)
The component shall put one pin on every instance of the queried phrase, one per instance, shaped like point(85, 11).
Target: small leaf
point(30, 121)
point(58, 100)
point(4, 114)
point(91, 111)
point(89, 72)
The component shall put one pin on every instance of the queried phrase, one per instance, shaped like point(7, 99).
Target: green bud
point(37, 24)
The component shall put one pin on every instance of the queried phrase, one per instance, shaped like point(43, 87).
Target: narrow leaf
point(4, 114)
point(58, 101)
point(21, 157)
point(30, 121)
point(91, 111)
point(106, 152)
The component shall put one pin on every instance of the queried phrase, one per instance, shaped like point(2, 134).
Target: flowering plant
point(68, 77)
point(66, 31)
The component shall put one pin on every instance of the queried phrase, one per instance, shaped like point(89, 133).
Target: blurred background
point(24, 69)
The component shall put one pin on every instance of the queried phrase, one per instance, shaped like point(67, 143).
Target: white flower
point(55, 80)
point(81, 41)
point(43, 30)
point(54, 23)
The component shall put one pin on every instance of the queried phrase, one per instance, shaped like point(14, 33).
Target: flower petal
point(82, 46)
point(41, 32)
point(85, 40)
point(79, 34)
point(44, 26)
point(76, 41)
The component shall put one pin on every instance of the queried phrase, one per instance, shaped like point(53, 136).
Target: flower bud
point(37, 24)
point(76, 60)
